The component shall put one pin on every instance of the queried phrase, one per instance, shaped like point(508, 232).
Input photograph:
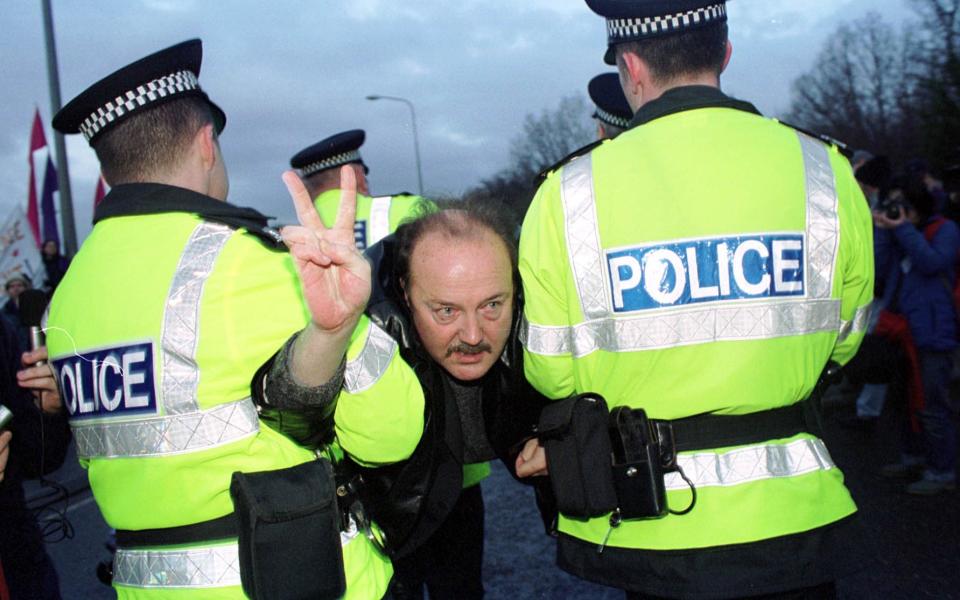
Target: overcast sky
point(290, 73)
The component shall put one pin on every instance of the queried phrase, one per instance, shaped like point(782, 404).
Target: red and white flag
point(37, 141)
point(100, 192)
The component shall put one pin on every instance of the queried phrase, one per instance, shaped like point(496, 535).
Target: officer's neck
point(188, 175)
point(649, 90)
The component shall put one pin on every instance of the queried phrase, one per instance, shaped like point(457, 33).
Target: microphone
point(32, 305)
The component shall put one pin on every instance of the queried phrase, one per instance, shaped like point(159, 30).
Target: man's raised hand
point(334, 276)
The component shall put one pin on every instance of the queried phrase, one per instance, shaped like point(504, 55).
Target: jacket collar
point(688, 97)
point(139, 199)
point(136, 199)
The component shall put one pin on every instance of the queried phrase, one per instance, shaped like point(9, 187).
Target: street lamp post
point(63, 175)
point(416, 139)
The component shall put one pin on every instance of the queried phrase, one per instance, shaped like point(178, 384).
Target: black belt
point(709, 431)
point(215, 529)
point(703, 432)
point(224, 527)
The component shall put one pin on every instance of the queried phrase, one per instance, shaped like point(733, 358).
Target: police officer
point(158, 328)
point(319, 166)
point(706, 262)
point(612, 113)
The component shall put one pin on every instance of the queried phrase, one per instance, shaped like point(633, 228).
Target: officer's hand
point(532, 460)
point(41, 380)
point(4, 451)
point(334, 276)
point(881, 220)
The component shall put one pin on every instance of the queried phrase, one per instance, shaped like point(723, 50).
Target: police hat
point(334, 151)
point(632, 20)
point(611, 104)
point(166, 75)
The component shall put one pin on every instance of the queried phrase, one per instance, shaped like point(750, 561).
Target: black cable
point(50, 510)
point(50, 513)
point(693, 493)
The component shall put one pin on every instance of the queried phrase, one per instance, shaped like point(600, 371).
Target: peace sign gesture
point(334, 276)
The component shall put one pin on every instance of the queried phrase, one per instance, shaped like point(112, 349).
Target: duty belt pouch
point(289, 533)
point(574, 434)
point(637, 465)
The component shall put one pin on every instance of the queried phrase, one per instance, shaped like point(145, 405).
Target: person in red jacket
point(916, 259)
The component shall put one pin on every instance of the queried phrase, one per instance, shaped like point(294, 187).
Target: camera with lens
point(892, 206)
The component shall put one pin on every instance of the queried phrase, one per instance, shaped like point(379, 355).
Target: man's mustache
point(464, 348)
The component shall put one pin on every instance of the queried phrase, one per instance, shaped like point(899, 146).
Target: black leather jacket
point(409, 500)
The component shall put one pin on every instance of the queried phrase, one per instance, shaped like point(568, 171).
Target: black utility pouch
point(637, 465)
point(574, 434)
point(289, 533)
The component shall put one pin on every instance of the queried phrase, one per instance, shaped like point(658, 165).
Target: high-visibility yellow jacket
point(376, 217)
point(155, 334)
point(380, 412)
point(708, 260)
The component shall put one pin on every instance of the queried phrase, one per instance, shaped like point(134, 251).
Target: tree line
point(889, 91)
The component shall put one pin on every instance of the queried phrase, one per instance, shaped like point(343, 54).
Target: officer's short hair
point(458, 220)
point(673, 56)
point(151, 143)
point(321, 181)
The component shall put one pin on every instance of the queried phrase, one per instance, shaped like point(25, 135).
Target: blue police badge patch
point(360, 234)
point(669, 274)
point(109, 382)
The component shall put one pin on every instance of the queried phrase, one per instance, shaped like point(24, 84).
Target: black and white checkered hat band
point(328, 163)
point(611, 119)
point(624, 30)
point(143, 95)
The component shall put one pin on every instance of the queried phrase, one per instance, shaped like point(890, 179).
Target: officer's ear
point(635, 76)
point(403, 289)
point(726, 58)
point(206, 141)
point(363, 186)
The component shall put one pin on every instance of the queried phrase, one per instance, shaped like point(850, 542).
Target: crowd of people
point(908, 355)
point(309, 413)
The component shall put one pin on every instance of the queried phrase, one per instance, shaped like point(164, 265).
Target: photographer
point(37, 447)
point(916, 254)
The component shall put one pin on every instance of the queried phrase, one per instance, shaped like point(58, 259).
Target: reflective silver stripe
point(823, 226)
point(378, 227)
point(760, 320)
point(859, 323)
point(168, 434)
point(367, 368)
point(583, 237)
point(753, 463)
point(178, 338)
point(216, 566)
point(740, 320)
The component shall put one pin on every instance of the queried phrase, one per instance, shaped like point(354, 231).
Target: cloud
point(775, 19)
point(458, 137)
point(412, 67)
point(560, 8)
point(177, 6)
point(369, 10)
